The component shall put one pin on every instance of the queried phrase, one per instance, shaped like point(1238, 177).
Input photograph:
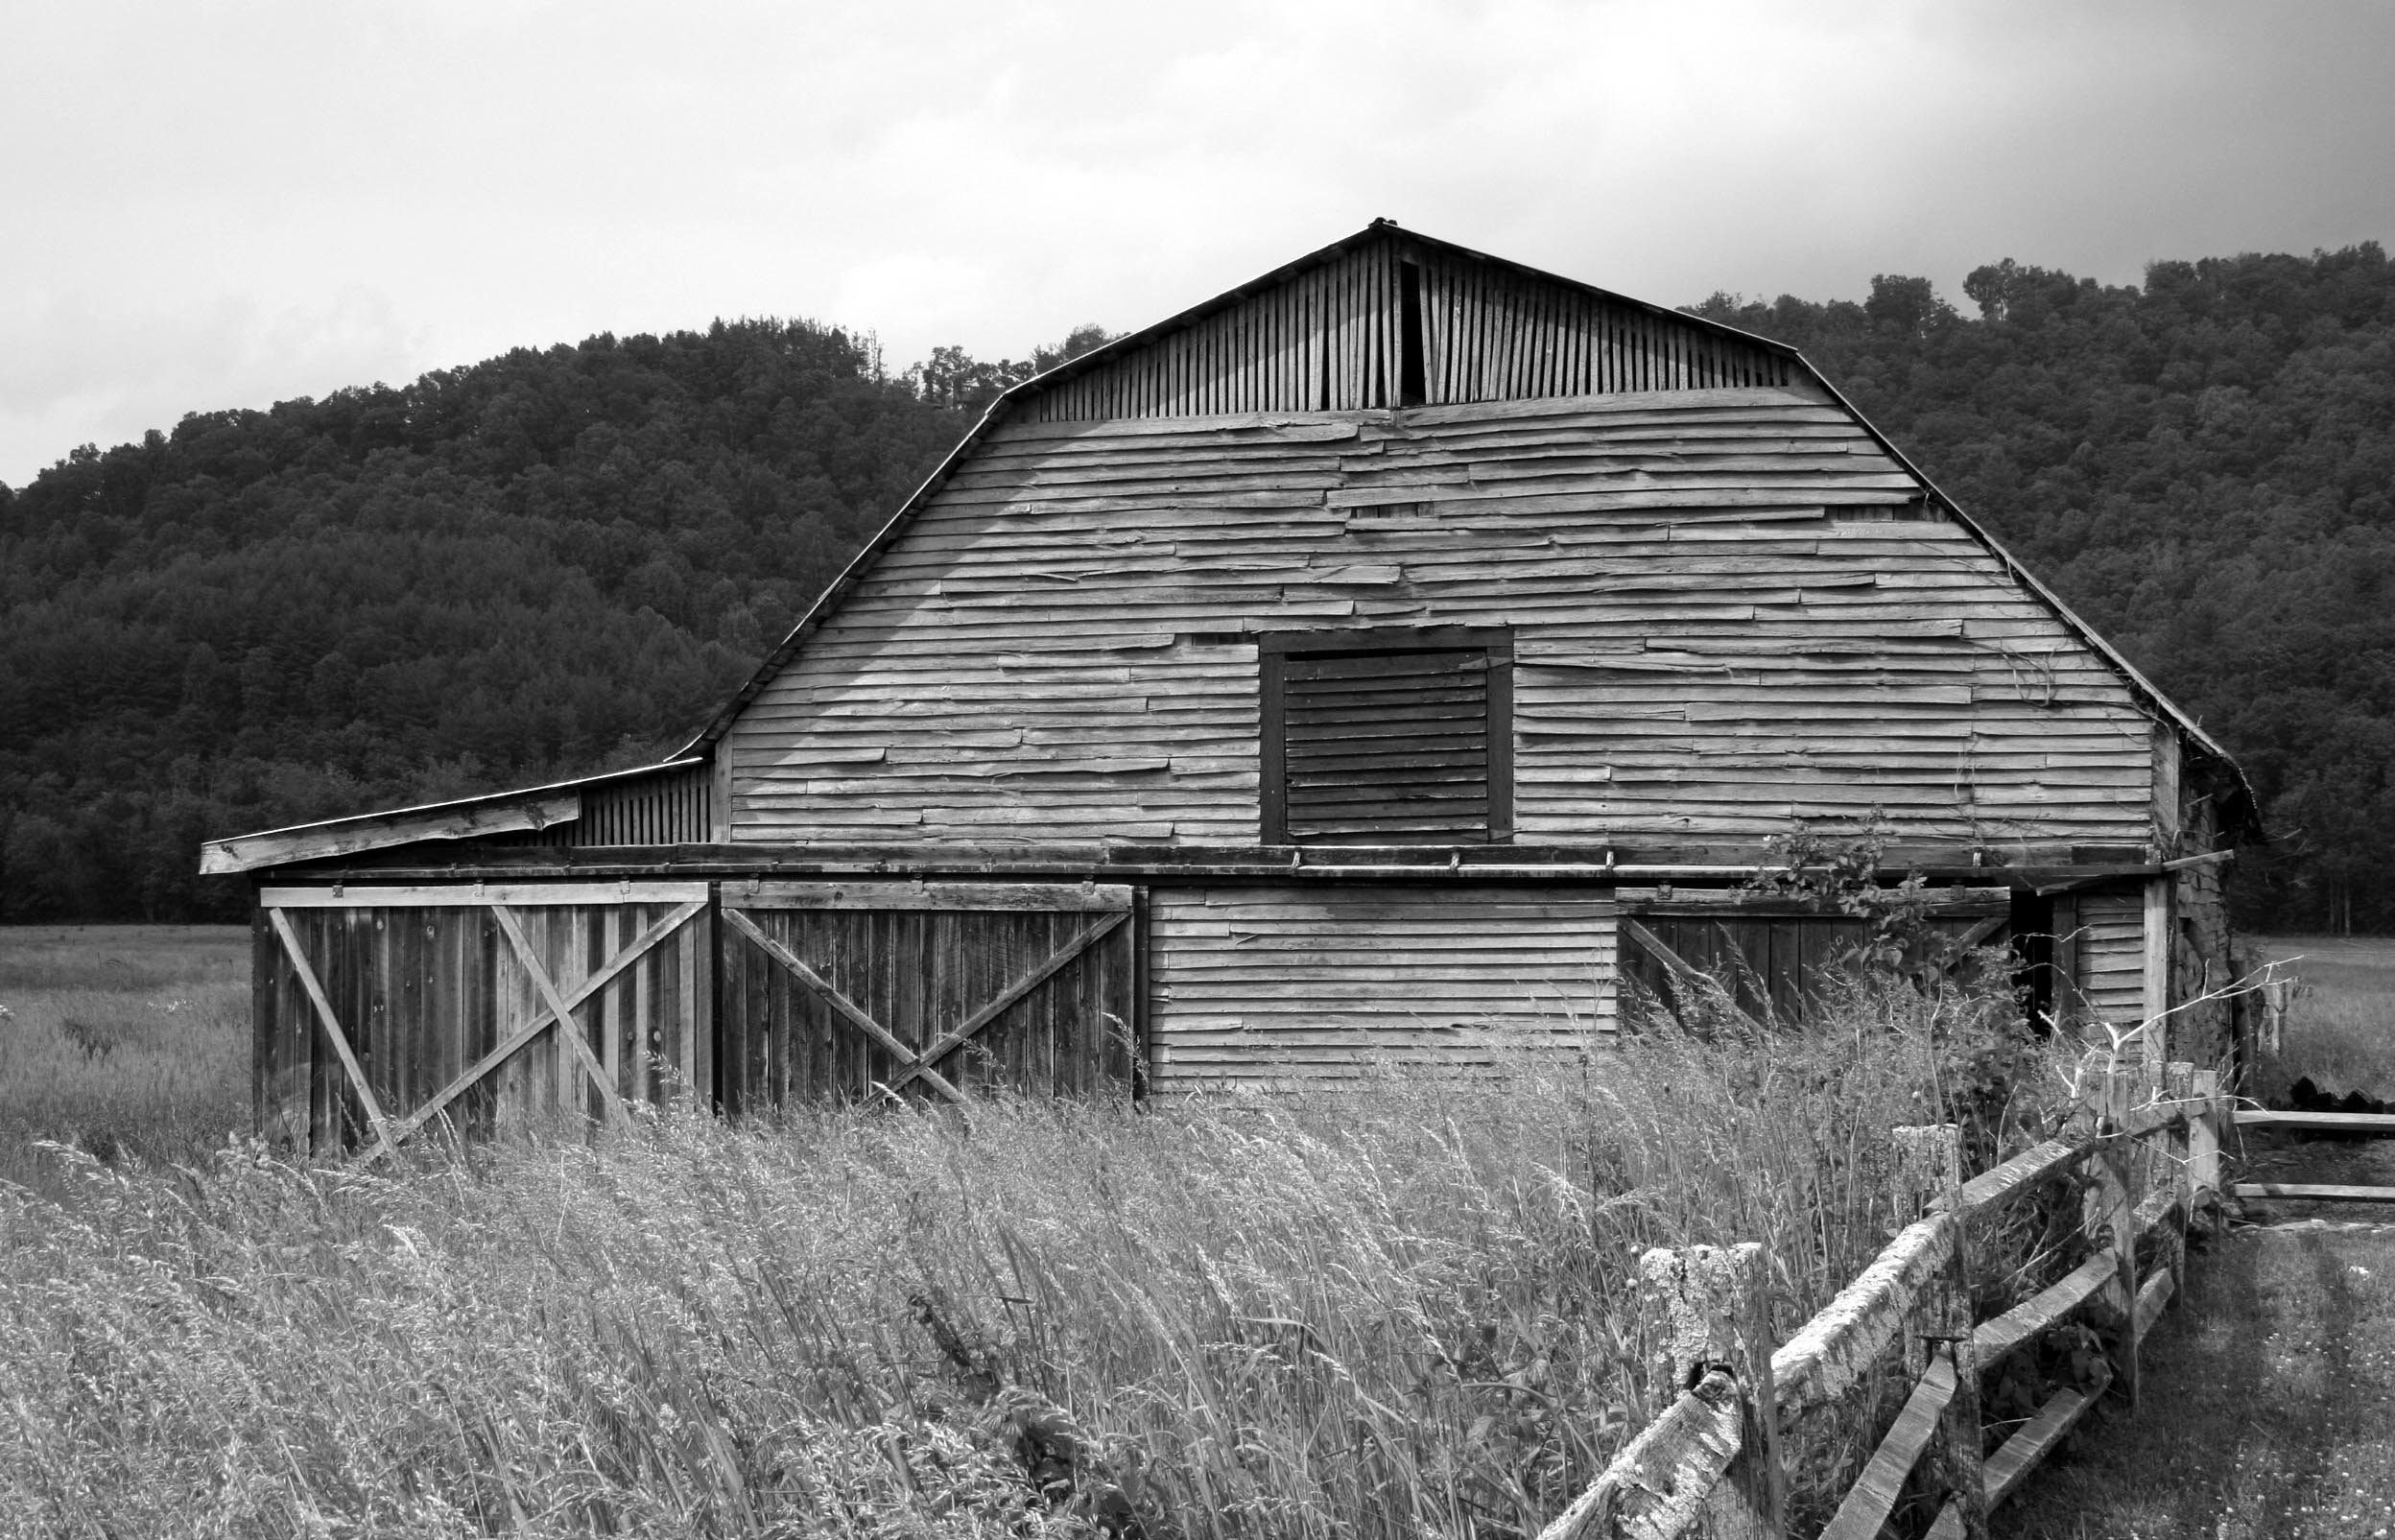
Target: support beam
point(331, 1024)
point(849, 1009)
point(569, 1032)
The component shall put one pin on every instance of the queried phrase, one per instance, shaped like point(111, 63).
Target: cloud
point(81, 371)
point(209, 188)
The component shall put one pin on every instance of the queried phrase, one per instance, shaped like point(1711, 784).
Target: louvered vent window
point(1387, 737)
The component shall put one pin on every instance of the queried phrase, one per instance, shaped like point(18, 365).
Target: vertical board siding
point(2111, 962)
point(1270, 984)
point(671, 807)
point(1330, 340)
point(1720, 625)
point(919, 973)
point(424, 992)
point(1774, 964)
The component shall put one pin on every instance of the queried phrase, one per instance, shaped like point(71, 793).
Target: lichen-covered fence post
point(1927, 1170)
point(1709, 1465)
point(1710, 1307)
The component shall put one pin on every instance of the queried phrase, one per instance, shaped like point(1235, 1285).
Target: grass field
point(2342, 1023)
point(130, 1038)
point(1403, 1309)
point(1400, 1308)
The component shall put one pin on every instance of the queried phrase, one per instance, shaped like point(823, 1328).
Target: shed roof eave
point(530, 807)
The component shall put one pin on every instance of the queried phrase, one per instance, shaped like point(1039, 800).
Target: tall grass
point(2340, 1026)
point(1399, 1306)
point(122, 1039)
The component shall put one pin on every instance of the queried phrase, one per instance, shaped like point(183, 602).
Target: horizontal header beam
point(464, 891)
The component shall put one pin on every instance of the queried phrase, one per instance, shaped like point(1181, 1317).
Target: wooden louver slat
point(1387, 748)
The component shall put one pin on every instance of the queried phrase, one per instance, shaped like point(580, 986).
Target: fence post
point(2203, 1140)
point(1929, 1167)
point(2110, 1215)
point(2177, 1146)
point(1711, 1306)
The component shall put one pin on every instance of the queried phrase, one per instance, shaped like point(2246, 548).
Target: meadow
point(122, 1039)
point(1398, 1307)
point(2341, 1022)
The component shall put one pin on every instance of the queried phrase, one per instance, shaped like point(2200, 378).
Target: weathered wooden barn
point(1395, 656)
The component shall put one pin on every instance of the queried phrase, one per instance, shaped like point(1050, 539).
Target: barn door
point(382, 1010)
point(1773, 963)
point(849, 990)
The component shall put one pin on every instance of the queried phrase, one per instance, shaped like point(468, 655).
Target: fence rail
point(2382, 1124)
point(1710, 1465)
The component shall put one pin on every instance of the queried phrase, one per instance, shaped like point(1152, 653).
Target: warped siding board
point(424, 992)
point(2111, 956)
point(1042, 654)
point(1264, 984)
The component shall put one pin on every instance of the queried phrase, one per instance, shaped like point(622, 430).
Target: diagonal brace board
point(948, 1042)
point(1679, 967)
point(332, 1030)
point(567, 1031)
point(908, 1060)
point(505, 1049)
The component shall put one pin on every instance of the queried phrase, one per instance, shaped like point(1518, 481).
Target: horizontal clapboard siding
point(1707, 641)
point(1270, 984)
point(1386, 748)
point(1332, 338)
point(2112, 956)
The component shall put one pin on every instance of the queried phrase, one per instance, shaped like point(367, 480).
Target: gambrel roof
point(1327, 333)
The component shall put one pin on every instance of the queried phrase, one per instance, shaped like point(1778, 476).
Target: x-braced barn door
point(844, 990)
point(1771, 958)
point(383, 1009)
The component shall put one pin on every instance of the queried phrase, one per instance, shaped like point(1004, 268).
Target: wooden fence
point(2379, 1124)
point(1710, 1464)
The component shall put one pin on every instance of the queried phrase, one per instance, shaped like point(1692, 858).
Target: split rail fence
point(1711, 1465)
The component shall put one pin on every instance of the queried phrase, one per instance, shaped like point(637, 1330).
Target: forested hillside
point(2204, 466)
point(559, 561)
point(545, 564)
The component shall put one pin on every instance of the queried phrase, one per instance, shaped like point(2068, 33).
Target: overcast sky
point(210, 203)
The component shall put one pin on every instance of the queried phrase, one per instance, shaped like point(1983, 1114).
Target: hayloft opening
point(1386, 737)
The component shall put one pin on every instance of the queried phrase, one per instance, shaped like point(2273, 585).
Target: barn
point(1402, 655)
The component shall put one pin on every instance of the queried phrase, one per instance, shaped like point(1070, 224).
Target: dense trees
point(2205, 468)
point(559, 561)
point(547, 563)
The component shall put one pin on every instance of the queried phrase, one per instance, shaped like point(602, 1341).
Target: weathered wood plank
point(1831, 1352)
point(305, 972)
point(1040, 973)
point(1997, 1340)
point(569, 1032)
point(2029, 1446)
point(840, 1003)
point(1071, 897)
point(506, 1047)
point(2378, 1123)
point(1872, 1498)
point(475, 895)
point(2316, 1192)
point(1657, 1487)
point(251, 852)
point(2151, 1295)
